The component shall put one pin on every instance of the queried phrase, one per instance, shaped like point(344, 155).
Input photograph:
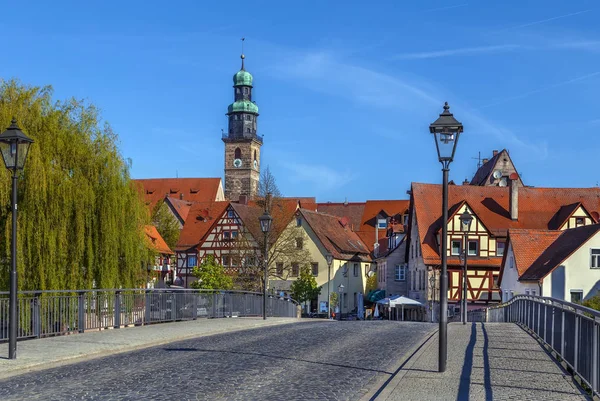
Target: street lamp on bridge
point(446, 130)
point(465, 226)
point(265, 226)
point(14, 146)
point(329, 258)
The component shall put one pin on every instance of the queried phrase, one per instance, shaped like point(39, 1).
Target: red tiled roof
point(192, 189)
point(536, 209)
point(528, 245)
point(368, 224)
point(181, 207)
point(351, 210)
point(201, 218)
point(156, 240)
point(339, 240)
point(282, 212)
point(559, 250)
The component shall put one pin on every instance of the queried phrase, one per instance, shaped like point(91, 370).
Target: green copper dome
point(243, 105)
point(242, 78)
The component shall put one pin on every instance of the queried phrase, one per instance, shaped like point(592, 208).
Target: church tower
point(242, 144)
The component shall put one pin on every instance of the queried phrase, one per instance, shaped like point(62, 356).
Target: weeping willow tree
point(80, 219)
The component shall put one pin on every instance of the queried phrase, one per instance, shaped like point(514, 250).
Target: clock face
point(255, 165)
point(237, 163)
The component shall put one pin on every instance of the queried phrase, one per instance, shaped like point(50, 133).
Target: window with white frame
point(356, 269)
point(192, 260)
point(595, 258)
point(234, 234)
point(511, 262)
point(473, 248)
point(225, 259)
point(456, 247)
point(576, 296)
point(230, 214)
point(500, 245)
point(400, 273)
point(226, 235)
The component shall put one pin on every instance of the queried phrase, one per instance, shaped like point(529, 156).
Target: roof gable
point(201, 218)
point(156, 240)
point(558, 251)
point(500, 161)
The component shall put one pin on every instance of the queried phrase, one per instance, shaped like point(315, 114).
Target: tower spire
point(242, 56)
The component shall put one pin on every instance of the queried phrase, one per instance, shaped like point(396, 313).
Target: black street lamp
point(465, 226)
point(341, 291)
point(14, 145)
point(432, 285)
point(446, 130)
point(329, 258)
point(265, 225)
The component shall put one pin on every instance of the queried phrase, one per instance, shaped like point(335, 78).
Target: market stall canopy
point(399, 300)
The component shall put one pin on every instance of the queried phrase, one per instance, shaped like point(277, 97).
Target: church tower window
point(238, 153)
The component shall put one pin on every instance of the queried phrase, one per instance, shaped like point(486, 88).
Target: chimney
point(181, 196)
point(243, 200)
point(514, 196)
point(494, 152)
point(484, 161)
point(466, 182)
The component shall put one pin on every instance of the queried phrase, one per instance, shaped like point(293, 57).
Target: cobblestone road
point(306, 361)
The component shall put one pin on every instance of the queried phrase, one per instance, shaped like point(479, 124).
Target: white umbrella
point(376, 313)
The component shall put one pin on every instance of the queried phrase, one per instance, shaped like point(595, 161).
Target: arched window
point(248, 117)
point(248, 130)
point(245, 91)
point(238, 153)
point(237, 90)
point(255, 155)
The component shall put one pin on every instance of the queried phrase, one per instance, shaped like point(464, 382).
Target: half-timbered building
point(495, 210)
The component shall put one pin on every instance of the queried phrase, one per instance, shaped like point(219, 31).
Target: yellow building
point(320, 235)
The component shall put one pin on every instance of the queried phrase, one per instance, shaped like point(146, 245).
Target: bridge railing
point(572, 331)
point(50, 313)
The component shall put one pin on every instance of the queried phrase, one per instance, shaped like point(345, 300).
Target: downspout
point(540, 283)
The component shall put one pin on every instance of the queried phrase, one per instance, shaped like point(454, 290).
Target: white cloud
point(456, 52)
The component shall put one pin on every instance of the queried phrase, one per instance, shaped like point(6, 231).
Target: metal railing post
point(214, 305)
point(81, 311)
point(117, 310)
point(174, 306)
point(552, 325)
point(595, 357)
point(195, 306)
point(576, 343)
point(230, 297)
point(562, 331)
point(148, 305)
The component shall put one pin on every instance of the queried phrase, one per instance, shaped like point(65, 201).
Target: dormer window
point(381, 224)
point(579, 221)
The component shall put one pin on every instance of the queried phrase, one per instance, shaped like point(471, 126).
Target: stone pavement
point(490, 361)
point(55, 351)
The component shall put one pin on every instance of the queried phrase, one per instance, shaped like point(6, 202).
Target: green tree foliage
point(305, 287)
point(371, 283)
point(211, 276)
point(80, 218)
point(166, 224)
point(593, 302)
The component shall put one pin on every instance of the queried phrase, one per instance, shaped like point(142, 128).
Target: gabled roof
point(384, 208)
point(483, 173)
point(201, 218)
point(156, 240)
point(282, 212)
point(191, 189)
point(536, 209)
point(181, 208)
point(337, 239)
point(556, 253)
point(527, 246)
point(353, 211)
point(565, 212)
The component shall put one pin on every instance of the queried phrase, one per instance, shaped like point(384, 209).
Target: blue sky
point(346, 90)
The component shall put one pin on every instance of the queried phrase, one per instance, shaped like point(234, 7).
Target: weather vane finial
point(242, 56)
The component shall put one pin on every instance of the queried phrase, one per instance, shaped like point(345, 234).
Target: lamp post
point(14, 145)
point(341, 291)
point(446, 130)
point(465, 226)
point(265, 225)
point(432, 285)
point(329, 258)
